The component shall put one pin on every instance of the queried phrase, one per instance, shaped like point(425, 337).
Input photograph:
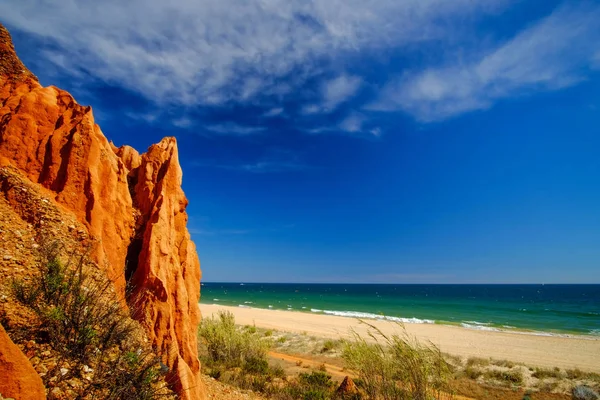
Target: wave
point(477, 323)
point(243, 306)
point(479, 327)
point(365, 315)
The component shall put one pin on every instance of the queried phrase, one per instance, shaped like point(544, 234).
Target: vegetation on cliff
point(98, 351)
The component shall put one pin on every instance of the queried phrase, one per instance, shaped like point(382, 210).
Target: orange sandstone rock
point(18, 379)
point(167, 276)
point(132, 204)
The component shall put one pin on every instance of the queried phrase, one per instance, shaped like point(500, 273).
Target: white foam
point(477, 323)
point(243, 306)
point(479, 327)
point(359, 314)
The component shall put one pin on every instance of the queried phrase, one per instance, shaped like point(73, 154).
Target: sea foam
point(365, 315)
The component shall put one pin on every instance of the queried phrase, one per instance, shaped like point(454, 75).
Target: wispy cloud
point(274, 160)
point(310, 55)
point(274, 112)
point(231, 128)
point(556, 52)
point(223, 50)
point(353, 123)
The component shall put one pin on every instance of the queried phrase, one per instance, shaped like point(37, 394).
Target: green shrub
point(314, 386)
point(223, 343)
point(472, 372)
point(503, 363)
point(329, 345)
point(512, 376)
point(582, 392)
point(478, 361)
point(543, 373)
point(577, 374)
point(85, 324)
point(396, 367)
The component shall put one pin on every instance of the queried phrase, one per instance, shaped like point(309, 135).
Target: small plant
point(477, 361)
point(503, 363)
point(396, 367)
point(472, 372)
point(577, 374)
point(268, 333)
point(329, 345)
point(582, 392)
point(513, 376)
point(85, 324)
point(543, 373)
point(314, 386)
point(224, 343)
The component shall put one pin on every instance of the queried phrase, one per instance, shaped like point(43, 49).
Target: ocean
point(537, 309)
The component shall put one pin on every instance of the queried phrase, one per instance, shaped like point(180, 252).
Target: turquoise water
point(543, 309)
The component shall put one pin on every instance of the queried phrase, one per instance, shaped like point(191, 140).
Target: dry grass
point(396, 367)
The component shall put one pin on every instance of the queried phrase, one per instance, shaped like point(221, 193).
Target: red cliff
point(19, 379)
point(132, 205)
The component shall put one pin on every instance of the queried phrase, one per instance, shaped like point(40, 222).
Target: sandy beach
point(532, 350)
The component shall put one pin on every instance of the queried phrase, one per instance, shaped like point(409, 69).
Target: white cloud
point(353, 123)
point(333, 93)
point(339, 90)
point(274, 112)
point(231, 128)
point(188, 52)
point(554, 53)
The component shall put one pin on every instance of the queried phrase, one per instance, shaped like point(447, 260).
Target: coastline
point(535, 349)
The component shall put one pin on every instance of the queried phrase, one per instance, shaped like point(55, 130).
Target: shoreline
point(470, 325)
point(531, 348)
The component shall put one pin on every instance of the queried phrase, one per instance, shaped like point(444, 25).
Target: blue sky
point(415, 141)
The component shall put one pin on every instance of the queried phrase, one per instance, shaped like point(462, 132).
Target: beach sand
point(532, 350)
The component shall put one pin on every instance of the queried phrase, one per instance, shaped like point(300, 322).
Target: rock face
point(132, 205)
point(19, 379)
point(347, 389)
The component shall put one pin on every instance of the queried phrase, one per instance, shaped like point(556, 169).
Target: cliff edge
point(131, 206)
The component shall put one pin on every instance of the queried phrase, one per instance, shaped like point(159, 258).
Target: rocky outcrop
point(19, 379)
point(132, 206)
point(166, 271)
point(347, 389)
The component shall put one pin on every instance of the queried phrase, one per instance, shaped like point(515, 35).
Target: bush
point(314, 386)
point(582, 392)
point(579, 374)
point(477, 361)
point(512, 376)
point(223, 343)
point(329, 345)
point(542, 373)
point(85, 324)
point(397, 367)
point(472, 372)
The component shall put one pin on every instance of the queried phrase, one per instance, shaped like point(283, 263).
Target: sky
point(355, 141)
